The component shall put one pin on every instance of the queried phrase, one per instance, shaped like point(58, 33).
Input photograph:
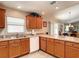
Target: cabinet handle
point(14, 45)
point(59, 42)
point(3, 46)
point(44, 39)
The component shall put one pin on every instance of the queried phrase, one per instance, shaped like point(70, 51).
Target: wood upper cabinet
point(39, 23)
point(72, 50)
point(4, 49)
point(27, 21)
point(59, 48)
point(30, 22)
point(33, 22)
point(50, 46)
point(25, 47)
point(2, 18)
point(43, 43)
point(14, 48)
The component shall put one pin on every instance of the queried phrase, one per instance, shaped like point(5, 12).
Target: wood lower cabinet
point(59, 48)
point(14, 48)
point(50, 46)
point(43, 43)
point(4, 49)
point(72, 50)
point(2, 18)
point(25, 47)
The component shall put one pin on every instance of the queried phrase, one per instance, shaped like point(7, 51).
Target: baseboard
point(33, 52)
point(49, 54)
point(21, 55)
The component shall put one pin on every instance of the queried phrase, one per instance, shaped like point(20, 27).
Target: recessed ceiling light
point(43, 13)
point(57, 7)
point(18, 7)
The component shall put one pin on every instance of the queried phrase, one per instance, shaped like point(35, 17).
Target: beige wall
point(15, 13)
point(20, 14)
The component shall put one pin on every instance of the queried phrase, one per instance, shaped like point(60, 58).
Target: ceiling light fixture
point(53, 2)
point(43, 13)
point(57, 7)
point(18, 7)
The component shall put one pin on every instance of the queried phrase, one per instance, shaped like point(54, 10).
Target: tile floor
point(38, 54)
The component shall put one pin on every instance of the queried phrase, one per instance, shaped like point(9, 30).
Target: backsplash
point(37, 31)
point(3, 32)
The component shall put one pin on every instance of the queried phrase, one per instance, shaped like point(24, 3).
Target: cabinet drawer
point(3, 46)
point(59, 41)
point(17, 41)
point(14, 41)
point(69, 43)
point(3, 43)
point(11, 41)
point(24, 39)
point(43, 38)
point(15, 44)
point(76, 45)
point(50, 39)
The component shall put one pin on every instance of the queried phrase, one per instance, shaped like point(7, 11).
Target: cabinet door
point(4, 49)
point(43, 43)
point(2, 18)
point(25, 46)
point(50, 46)
point(71, 52)
point(39, 23)
point(14, 48)
point(31, 22)
point(28, 22)
point(59, 48)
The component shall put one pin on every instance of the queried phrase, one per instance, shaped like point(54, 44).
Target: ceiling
point(42, 7)
point(69, 15)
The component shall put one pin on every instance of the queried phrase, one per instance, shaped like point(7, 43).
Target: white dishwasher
point(34, 43)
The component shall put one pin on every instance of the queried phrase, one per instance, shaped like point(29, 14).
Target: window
point(15, 25)
point(67, 28)
point(56, 28)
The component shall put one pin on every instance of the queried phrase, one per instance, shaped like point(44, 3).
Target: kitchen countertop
point(13, 38)
point(4, 39)
point(65, 38)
